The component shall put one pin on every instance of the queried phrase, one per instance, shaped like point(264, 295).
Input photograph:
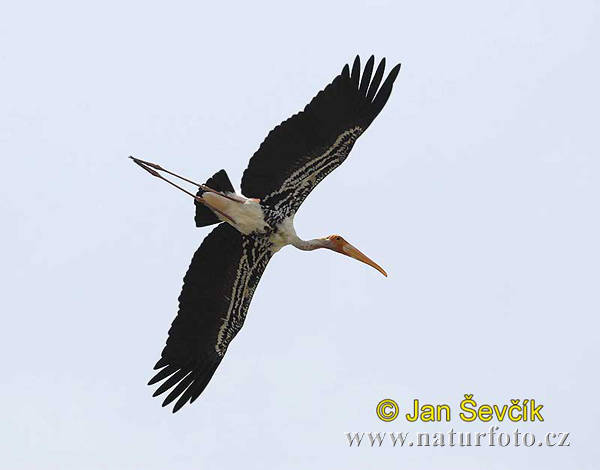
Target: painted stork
point(225, 270)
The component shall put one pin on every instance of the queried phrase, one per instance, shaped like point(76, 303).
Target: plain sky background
point(477, 189)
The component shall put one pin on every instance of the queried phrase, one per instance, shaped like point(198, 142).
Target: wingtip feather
point(180, 403)
point(346, 71)
point(163, 374)
point(161, 363)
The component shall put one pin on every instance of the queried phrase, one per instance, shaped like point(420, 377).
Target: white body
point(249, 217)
point(247, 214)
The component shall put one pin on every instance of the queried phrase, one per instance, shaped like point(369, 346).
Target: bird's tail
point(219, 182)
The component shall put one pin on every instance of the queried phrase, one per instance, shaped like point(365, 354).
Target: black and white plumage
point(227, 267)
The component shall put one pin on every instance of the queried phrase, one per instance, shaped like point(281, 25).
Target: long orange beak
point(355, 253)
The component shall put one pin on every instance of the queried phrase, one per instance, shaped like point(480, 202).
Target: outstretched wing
point(301, 151)
point(216, 294)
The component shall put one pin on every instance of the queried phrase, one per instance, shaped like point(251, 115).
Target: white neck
point(286, 235)
point(308, 245)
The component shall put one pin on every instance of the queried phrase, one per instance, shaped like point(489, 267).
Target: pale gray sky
point(476, 188)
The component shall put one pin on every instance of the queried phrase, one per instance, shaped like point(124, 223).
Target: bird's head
point(337, 243)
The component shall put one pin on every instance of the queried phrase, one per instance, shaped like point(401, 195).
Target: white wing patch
point(282, 204)
point(255, 256)
point(298, 185)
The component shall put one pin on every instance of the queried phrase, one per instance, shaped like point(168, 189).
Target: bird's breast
point(284, 234)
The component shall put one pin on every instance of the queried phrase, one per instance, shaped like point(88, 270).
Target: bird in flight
point(225, 270)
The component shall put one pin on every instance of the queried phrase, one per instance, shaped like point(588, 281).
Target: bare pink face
point(337, 243)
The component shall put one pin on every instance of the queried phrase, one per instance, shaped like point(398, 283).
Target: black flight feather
point(219, 182)
point(343, 110)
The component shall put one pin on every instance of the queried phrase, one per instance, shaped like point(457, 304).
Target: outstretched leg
point(148, 166)
point(152, 167)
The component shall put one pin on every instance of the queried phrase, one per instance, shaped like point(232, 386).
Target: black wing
point(216, 294)
point(301, 151)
